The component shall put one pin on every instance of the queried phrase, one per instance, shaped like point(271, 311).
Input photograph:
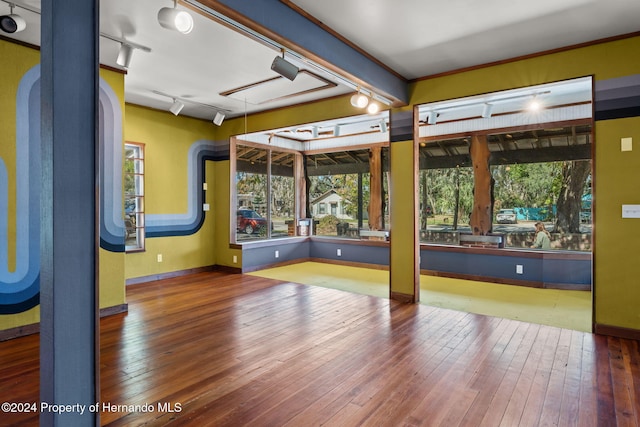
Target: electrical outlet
point(519, 269)
point(339, 252)
point(277, 254)
point(235, 259)
point(159, 257)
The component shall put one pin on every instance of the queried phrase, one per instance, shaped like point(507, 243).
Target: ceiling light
point(534, 105)
point(175, 19)
point(284, 67)
point(12, 23)
point(176, 107)
point(359, 100)
point(124, 55)
point(219, 118)
point(373, 108)
point(486, 110)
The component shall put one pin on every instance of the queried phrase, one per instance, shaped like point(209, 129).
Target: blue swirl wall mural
point(159, 225)
point(20, 288)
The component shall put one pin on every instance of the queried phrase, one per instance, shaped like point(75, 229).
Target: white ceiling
point(415, 38)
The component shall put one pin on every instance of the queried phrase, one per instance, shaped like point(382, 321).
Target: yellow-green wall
point(167, 139)
point(617, 292)
point(111, 265)
point(18, 60)
point(404, 243)
point(617, 295)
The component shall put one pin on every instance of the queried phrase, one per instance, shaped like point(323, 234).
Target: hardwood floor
point(236, 350)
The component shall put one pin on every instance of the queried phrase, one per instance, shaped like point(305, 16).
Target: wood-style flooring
point(237, 350)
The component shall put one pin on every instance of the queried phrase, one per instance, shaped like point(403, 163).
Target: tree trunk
point(456, 211)
point(569, 204)
point(481, 215)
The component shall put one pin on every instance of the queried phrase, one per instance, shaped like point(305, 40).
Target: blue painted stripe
point(164, 225)
point(617, 98)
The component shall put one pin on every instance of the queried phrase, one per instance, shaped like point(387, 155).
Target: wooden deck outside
point(234, 350)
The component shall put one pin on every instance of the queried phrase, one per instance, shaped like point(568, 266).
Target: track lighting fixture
point(12, 23)
point(284, 67)
point(218, 118)
point(178, 104)
point(176, 107)
point(175, 19)
point(373, 108)
point(359, 100)
point(383, 126)
point(486, 110)
point(432, 118)
point(124, 55)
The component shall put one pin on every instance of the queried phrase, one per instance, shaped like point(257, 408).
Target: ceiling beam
point(282, 24)
point(535, 155)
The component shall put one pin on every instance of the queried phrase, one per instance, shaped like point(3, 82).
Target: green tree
point(575, 175)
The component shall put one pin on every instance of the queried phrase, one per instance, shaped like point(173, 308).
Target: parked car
point(250, 221)
point(507, 216)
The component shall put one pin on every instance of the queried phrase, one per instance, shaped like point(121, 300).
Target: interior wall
point(18, 60)
point(20, 124)
point(171, 149)
point(617, 295)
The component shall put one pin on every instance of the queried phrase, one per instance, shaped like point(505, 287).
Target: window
point(531, 166)
point(334, 172)
point(134, 197)
point(265, 193)
point(340, 191)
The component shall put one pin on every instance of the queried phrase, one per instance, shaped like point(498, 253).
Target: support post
point(375, 188)
point(404, 246)
point(481, 217)
point(69, 337)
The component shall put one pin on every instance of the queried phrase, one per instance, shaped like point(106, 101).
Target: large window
point(523, 195)
point(134, 197)
point(496, 166)
point(340, 192)
point(265, 193)
point(336, 191)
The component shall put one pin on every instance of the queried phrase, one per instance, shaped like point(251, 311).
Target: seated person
point(542, 237)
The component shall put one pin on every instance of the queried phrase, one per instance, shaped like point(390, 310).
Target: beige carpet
point(560, 308)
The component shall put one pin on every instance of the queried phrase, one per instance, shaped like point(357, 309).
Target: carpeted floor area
point(553, 307)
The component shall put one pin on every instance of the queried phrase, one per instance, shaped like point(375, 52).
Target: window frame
point(299, 202)
point(139, 195)
point(299, 180)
